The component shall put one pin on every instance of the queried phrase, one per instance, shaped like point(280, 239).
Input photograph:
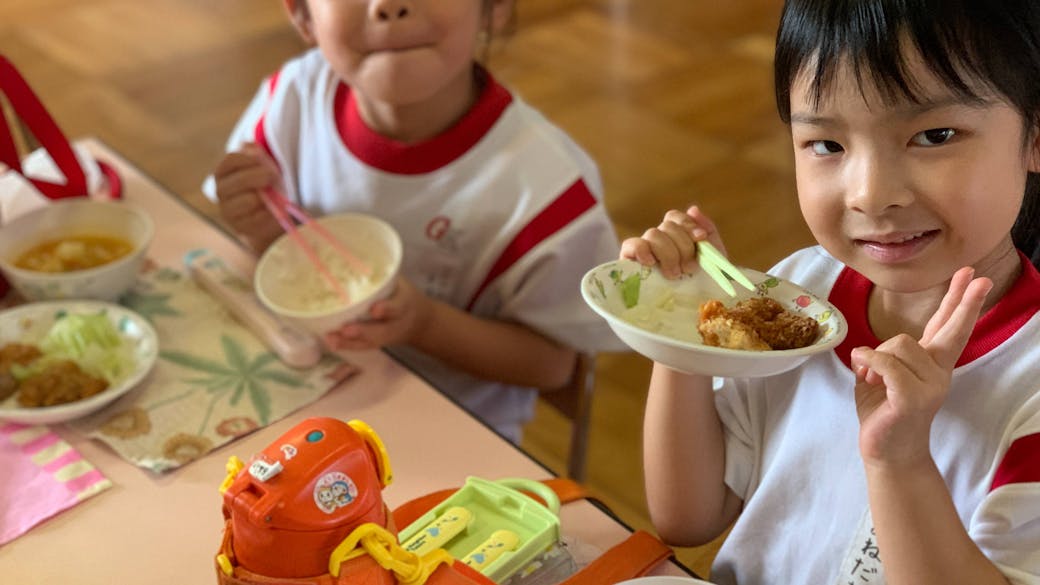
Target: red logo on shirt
point(438, 227)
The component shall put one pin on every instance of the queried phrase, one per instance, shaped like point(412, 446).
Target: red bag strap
point(28, 107)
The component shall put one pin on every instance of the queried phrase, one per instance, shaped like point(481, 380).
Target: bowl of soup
point(75, 249)
point(288, 283)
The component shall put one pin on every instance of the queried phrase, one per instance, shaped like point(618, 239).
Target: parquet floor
point(672, 97)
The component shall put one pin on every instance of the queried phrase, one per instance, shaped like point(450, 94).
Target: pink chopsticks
point(284, 211)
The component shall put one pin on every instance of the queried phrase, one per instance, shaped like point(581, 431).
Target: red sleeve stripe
point(1021, 463)
point(259, 136)
point(575, 201)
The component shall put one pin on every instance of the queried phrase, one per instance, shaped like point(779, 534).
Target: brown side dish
point(755, 324)
point(58, 383)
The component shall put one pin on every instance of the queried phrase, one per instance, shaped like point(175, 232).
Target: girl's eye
point(825, 147)
point(933, 137)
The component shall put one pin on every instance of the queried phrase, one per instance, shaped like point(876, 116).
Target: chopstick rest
point(720, 269)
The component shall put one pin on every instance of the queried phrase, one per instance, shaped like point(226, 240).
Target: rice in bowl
point(289, 285)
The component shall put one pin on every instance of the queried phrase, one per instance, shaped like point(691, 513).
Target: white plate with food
point(110, 347)
point(661, 319)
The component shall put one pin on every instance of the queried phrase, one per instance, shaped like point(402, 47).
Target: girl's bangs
point(876, 40)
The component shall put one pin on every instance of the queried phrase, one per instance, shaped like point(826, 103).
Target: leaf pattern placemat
point(214, 380)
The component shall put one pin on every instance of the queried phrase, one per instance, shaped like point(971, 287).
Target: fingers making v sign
point(903, 383)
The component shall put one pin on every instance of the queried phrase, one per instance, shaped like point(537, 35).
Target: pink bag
point(27, 106)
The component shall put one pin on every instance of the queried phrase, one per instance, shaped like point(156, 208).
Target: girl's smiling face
point(906, 193)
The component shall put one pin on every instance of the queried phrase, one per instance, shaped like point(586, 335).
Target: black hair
point(996, 42)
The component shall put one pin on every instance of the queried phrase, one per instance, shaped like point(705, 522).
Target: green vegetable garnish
point(91, 341)
point(630, 290)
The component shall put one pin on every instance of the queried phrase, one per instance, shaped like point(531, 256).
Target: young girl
point(911, 453)
point(499, 211)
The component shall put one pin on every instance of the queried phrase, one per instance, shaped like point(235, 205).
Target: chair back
point(574, 401)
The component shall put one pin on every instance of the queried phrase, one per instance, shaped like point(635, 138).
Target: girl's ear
point(300, 16)
point(500, 14)
point(1033, 159)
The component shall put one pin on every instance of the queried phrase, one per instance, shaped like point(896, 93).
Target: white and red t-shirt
point(792, 449)
point(500, 215)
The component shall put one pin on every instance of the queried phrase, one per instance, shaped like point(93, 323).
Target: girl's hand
point(397, 319)
point(902, 384)
point(240, 177)
point(672, 245)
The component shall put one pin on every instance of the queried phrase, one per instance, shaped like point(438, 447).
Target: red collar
point(852, 289)
point(400, 158)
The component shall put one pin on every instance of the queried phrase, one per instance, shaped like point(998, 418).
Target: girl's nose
point(390, 10)
point(874, 187)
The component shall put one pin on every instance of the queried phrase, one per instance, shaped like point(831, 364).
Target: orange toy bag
point(308, 510)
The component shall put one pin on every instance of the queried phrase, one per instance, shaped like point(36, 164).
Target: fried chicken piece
point(59, 383)
point(757, 324)
point(17, 353)
point(780, 328)
point(11, 354)
point(719, 329)
point(8, 385)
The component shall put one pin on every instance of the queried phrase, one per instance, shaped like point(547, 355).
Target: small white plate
point(29, 323)
point(658, 317)
point(664, 581)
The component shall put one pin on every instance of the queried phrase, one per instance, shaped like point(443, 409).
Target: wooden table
point(166, 529)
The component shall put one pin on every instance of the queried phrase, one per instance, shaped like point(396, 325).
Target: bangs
point(876, 39)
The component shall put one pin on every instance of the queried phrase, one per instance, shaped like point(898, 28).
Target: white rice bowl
point(288, 284)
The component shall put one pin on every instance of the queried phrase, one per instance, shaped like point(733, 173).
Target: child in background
point(499, 211)
point(910, 454)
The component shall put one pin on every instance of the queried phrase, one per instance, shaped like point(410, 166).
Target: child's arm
point(683, 441)
point(684, 460)
point(494, 350)
point(900, 387)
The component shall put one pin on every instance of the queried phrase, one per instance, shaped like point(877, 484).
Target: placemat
point(214, 380)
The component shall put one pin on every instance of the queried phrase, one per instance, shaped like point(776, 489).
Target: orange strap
point(567, 490)
point(632, 558)
point(412, 510)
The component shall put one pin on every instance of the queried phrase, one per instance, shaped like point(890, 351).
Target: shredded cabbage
point(91, 341)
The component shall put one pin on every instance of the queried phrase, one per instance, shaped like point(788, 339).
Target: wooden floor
point(672, 97)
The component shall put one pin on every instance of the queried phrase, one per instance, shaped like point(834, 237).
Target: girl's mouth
point(896, 248)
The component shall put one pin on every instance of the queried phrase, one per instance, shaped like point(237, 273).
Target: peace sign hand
point(902, 384)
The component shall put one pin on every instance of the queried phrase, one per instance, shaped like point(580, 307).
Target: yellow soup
point(73, 253)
